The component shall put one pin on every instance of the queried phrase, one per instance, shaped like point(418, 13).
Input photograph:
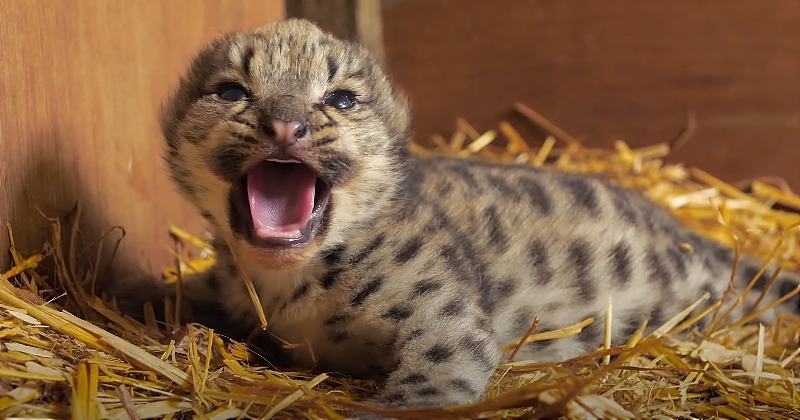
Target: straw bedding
point(65, 353)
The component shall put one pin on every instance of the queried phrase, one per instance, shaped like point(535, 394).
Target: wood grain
point(614, 69)
point(82, 82)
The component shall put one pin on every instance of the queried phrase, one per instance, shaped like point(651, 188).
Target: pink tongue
point(281, 198)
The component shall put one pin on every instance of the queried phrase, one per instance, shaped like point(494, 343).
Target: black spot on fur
point(580, 258)
point(621, 259)
point(657, 271)
point(366, 252)
point(207, 215)
point(409, 250)
point(538, 196)
point(677, 257)
point(415, 334)
point(465, 173)
point(453, 308)
point(335, 319)
point(506, 288)
point(426, 286)
point(748, 272)
point(339, 336)
point(428, 392)
point(656, 317)
point(414, 379)
point(228, 162)
point(497, 237)
point(395, 399)
point(592, 332)
point(503, 187)
point(398, 313)
point(463, 386)
point(583, 193)
point(725, 256)
point(330, 277)
point(301, 291)
point(373, 286)
point(539, 258)
point(623, 205)
point(477, 349)
point(484, 324)
point(438, 354)
point(522, 320)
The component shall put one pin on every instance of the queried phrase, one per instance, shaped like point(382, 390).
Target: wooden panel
point(605, 70)
point(82, 82)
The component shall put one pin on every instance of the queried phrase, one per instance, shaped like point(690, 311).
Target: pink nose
point(288, 132)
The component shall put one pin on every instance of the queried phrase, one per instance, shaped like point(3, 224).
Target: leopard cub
point(294, 146)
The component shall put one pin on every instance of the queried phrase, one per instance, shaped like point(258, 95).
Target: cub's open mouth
point(279, 203)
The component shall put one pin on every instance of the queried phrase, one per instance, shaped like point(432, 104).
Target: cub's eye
point(340, 99)
point(232, 92)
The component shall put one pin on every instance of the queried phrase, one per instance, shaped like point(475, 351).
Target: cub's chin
point(275, 257)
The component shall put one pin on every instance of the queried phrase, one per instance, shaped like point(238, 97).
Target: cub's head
point(286, 138)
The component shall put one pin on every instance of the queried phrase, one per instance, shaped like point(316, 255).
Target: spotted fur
point(422, 269)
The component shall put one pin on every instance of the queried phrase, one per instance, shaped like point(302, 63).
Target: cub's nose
point(286, 132)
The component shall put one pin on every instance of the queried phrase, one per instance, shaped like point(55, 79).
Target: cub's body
point(420, 270)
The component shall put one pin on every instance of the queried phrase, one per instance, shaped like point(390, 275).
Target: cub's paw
point(132, 292)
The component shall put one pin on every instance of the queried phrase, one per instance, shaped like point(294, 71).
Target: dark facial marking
point(373, 245)
point(333, 68)
point(330, 277)
point(245, 138)
point(323, 141)
point(398, 313)
point(228, 162)
point(438, 354)
point(621, 259)
point(207, 215)
point(373, 286)
point(238, 118)
point(336, 167)
point(333, 255)
point(409, 250)
point(247, 59)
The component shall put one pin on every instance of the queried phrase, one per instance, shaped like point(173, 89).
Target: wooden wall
point(611, 69)
point(81, 82)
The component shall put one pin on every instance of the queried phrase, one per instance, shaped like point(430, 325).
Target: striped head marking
point(285, 137)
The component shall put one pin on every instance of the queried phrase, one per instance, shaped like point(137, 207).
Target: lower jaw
point(274, 258)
